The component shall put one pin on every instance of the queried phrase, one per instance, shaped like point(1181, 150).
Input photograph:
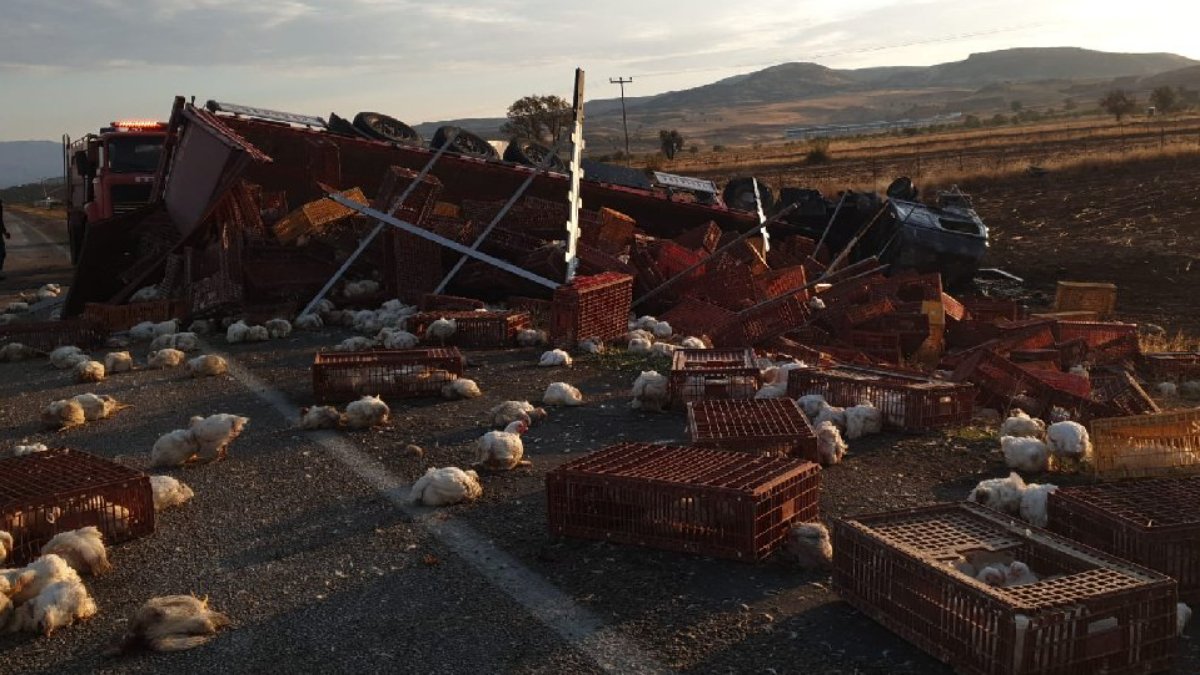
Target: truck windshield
point(134, 154)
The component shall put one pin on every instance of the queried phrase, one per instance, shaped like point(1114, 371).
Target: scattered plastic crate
point(761, 426)
point(49, 492)
point(1154, 522)
point(1073, 296)
point(475, 330)
point(1118, 392)
point(694, 500)
point(1090, 612)
point(988, 310)
point(763, 322)
point(591, 307)
point(778, 282)
point(538, 309)
point(727, 282)
point(114, 318)
point(315, 216)
point(614, 231)
point(1095, 333)
point(1125, 348)
point(881, 347)
point(708, 374)
point(692, 316)
point(704, 237)
point(908, 402)
point(341, 377)
point(672, 259)
point(1172, 366)
point(1145, 446)
point(1003, 385)
point(47, 335)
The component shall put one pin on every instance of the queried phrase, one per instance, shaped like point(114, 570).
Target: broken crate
point(1162, 444)
point(693, 500)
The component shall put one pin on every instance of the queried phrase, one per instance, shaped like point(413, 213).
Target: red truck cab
point(109, 173)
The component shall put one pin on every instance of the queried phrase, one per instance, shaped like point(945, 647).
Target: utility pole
point(624, 120)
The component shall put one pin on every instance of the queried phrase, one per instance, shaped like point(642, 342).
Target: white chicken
point(320, 417)
point(1190, 390)
point(257, 334)
point(640, 346)
point(309, 322)
point(441, 330)
point(207, 365)
point(593, 345)
point(555, 358)
point(1033, 503)
point(811, 404)
point(561, 393)
point(1165, 389)
point(145, 294)
point(833, 414)
point(830, 446)
point(214, 433)
point(15, 351)
point(692, 343)
point(651, 391)
point(174, 448)
point(118, 362)
point(367, 412)
point(1183, 616)
point(100, 407)
point(809, 543)
point(394, 338)
point(166, 327)
point(63, 414)
point(356, 344)
point(278, 329)
point(531, 337)
point(816, 303)
point(65, 358)
point(169, 492)
point(237, 332)
point(359, 290)
point(27, 582)
point(170, 624)
point(643, 323)
point(461, 388)
point(1069, 440)
point(142, 332)
point(1000, 494)
point(165, 358)
point(446, 486)
point(58, 605)
point(502, 450)
point(184, 342)
point(6, 547)
point(639, 334)
point(863, 419)
point(89, 371)
point(662, 330)
point(83, 549)
point(201, 327)
point(22, 450)
point(506, 413)
point(1024, 454)
point(1021, 424)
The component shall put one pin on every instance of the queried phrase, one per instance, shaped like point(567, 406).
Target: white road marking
point(580, 628)
point(26, 228)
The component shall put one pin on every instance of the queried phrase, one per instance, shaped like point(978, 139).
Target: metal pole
point(624, 120)
point(573, 195)
point(828, 226)
point(362, 245)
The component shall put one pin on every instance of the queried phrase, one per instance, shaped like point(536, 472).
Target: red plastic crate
point(704, 237)
point(727, 282)
point(706, 374)
point(341, 377)
point(453, 303)
point(694, 500)
point(1003, 385)
point(113, 318)
point(1089, 613)
point(591, 307)
point(1096, 333)
point(763, 322)
point(1172, 366)
point(47, 335)
point(880, 346)
point(1119, 394)
point(1152, 522)
point(761, 426)
point(986, 309)
point(777, 282)
point(538, 309)
point(672, 259)
point(692, 316)
point(1125, 348)
point(908, 402)
point(49, 492)
point(475, 330)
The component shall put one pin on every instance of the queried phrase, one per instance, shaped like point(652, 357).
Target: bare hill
point(29, 161)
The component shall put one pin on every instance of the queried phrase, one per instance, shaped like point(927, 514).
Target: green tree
point(1118, 103)
point(1070, 104)
point(1016, 106)
point(538, 118)
point(972, 122)
point(1164, 99)
point(671, 142)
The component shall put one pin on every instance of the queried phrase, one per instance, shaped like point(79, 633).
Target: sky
point(71, 66)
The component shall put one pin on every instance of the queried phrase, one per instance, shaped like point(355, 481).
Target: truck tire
point(525, 152)
point(383, 128)
point(341, 126)
point(739, 194)
point(76, 222)
point(466, 143)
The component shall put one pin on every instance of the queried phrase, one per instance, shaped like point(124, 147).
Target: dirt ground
point(300, 539)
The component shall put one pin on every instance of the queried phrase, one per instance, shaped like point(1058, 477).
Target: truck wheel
point(466, 143)
point(383, 128)
point(532, 154)
point(343, 127)
point(75, 226)
point(739, 194)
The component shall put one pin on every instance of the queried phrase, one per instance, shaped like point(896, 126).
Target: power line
point(624, 120)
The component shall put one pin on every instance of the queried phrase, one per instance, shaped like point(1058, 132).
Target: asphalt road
point(37, 253)
point(306, 542)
